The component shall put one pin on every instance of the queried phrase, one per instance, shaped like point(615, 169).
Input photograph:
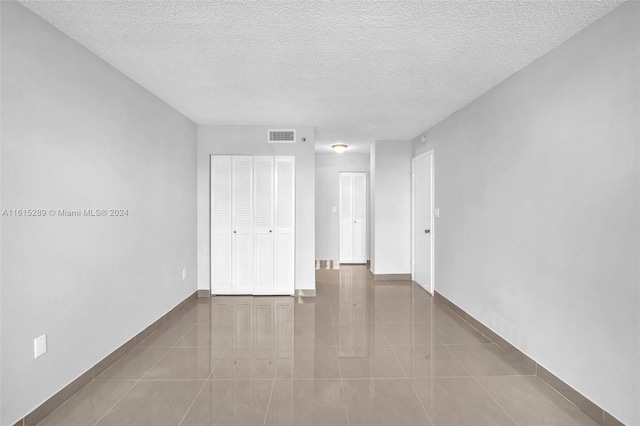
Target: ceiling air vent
point(282, 136)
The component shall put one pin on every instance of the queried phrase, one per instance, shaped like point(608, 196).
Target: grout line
point(123, 395)
point(517, 361)
point(306, 379)
point(93, 377)
point(420, 401)
point(482, 387)
point(385, 378)
point(145, 373)
point(407, 378)
point(22, 421)
point(377, 324)
point(273, 385)
point(158, 380)
point(472, 344)
point(496, 401)
point(568, 400)
point(411, 346)
point(203, 385)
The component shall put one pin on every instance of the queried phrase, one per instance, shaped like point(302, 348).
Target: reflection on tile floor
point(359, 353)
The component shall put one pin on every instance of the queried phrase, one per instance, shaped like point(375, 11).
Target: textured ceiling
point(357, 70)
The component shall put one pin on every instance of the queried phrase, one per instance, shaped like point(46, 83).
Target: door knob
point(427, 231)
point(234, 232)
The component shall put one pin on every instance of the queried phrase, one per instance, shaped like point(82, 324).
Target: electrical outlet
point(184, 273)
point(40, 346)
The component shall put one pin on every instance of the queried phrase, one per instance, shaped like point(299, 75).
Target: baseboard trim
point(60, 397)
point(391, 277)
point(598, 414)
point(590, 408)
point(204, 293)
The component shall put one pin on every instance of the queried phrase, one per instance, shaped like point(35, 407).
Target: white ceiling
point(357, 70)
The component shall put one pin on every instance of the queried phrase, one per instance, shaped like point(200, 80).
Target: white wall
point(537, 182)
point(77, 134)
point(252, 140)
point(391, 207)
point(328, 168)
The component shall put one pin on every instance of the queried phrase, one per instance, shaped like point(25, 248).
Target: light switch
point(334, 209)
point(437, 212)
point(40, 346)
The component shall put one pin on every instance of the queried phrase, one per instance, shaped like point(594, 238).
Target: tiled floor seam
point(409, 379)
point(273, 385)
point(535, 371)
point(115, 361)
point(492, 385)
point(474, 377)
point(482, 387)
point(149, 369)
point(571, 402)
point(63, 404)
point(495, 400)
point(377, 323)
point(203, 385)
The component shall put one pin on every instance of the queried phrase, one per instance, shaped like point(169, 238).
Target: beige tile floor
point(359, 353)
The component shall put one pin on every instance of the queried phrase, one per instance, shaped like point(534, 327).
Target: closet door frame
point(351, 223)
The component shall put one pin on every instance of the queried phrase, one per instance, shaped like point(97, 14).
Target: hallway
point(361, 352)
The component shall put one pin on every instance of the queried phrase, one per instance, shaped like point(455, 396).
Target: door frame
point(366, 216)
point(430, 153)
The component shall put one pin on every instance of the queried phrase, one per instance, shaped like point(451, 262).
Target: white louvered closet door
point(242, 212)
point(284, 250)
point(263, 178)
point(252, 225)
point(221, 224)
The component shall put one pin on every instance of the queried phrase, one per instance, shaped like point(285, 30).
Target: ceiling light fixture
point(339, 147)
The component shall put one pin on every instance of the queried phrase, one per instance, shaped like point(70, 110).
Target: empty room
point(320, 213)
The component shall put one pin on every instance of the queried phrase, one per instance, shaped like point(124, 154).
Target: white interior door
point(359, 250)
point(353, 217)
point(346, 218)
point(422, 268)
